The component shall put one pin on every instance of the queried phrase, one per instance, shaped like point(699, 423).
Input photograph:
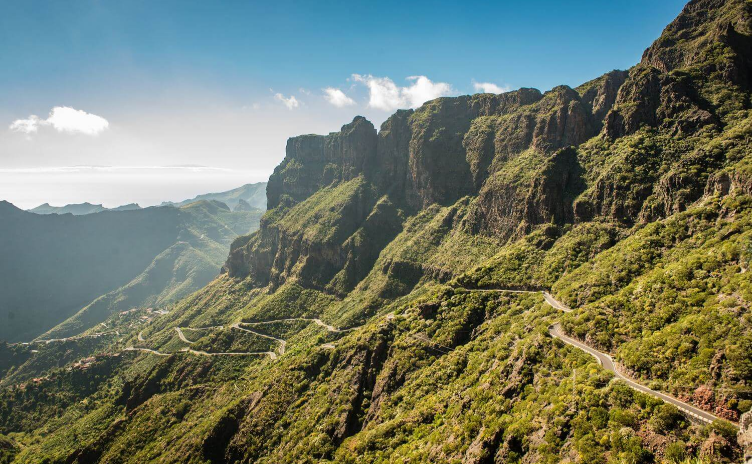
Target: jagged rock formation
point(516, 152)
point(445, 150)
point(628, 197)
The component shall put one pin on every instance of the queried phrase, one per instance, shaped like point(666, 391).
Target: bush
point(676, 452)
point(726, 429)
point(666, 418)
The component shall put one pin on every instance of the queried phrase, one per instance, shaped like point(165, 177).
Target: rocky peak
point(698, 33)
point(599, 95)
point(672, 87)
point(512, 151)
point(314, 161)
point(488, 104)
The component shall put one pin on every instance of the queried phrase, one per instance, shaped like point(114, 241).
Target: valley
point(519, 277)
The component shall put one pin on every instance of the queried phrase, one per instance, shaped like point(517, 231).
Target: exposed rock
point(715, 446)
point(703, 28)
point(726, 182)
point(600, 94)
point(650, 98)
point(744, 436)
point(482, 449)
point(704, 398)
point(315, 161)
point(654, 442)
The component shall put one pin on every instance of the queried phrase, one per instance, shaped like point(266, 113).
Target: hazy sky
point(135, 86)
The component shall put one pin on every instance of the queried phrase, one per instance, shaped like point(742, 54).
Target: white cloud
point(336, 97)
point(63, 119)
point(385, 95)
point(27, 126)
point(289, 102)
point(489, 87)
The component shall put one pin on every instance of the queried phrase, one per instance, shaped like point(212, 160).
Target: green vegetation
point(99, 264)
point(629, 198)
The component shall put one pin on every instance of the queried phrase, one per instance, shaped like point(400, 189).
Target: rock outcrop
point(523, 155)
point(744, 436)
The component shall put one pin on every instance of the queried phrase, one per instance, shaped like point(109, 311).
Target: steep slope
point(629, 197)
point(53, 266)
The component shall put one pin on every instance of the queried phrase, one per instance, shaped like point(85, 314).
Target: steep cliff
point(369, 318)
point(449, 148)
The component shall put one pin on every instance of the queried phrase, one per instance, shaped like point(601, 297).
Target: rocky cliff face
point(447, 149)
point(707, 45)
point(744, 436)
point(523, 154)
point(629, 197)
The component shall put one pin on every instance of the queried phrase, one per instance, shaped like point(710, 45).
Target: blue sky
point(210, 82)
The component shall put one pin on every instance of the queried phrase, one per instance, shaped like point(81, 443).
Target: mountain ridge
point(104, 254)
point(253, 194)
point(629, 197)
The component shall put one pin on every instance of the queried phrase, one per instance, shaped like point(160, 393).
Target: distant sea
point(117, 185)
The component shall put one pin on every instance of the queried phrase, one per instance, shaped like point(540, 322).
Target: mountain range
point(80, 209)
point(249, 196)
point(61, 273)
point(529, 277)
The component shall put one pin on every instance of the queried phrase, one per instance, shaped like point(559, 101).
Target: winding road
point(607, 363)
point(271, 354)
point(317, 321)
point(280, 341)
point(181, 336)
point(75, 337)
point(555, 330)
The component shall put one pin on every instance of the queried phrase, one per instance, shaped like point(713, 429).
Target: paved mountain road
point(181, 336)
point(280, 341)
point(607, 362)
point(134, 348)
point(272, 355)
point(555, 303)
point(317, 321)
point(75, 337)
point(554, 330)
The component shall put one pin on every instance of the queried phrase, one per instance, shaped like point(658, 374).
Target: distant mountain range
point(80, 209)
point(429, 292)
point(246, 197)
point(254, 195)
point(64, 273)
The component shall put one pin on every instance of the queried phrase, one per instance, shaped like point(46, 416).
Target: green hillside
point(392, 307)
point(87, 267)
